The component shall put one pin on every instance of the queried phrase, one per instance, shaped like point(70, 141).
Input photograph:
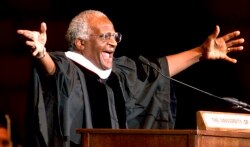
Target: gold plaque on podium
point(209, 120)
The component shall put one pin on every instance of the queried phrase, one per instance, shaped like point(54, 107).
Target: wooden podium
point(213, 130)
point(163, 138)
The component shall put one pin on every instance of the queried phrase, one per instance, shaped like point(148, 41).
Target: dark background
point(152, 28)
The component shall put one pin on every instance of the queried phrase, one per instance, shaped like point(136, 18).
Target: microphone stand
point(237, 104)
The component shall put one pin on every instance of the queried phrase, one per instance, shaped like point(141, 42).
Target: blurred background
point(152, 28)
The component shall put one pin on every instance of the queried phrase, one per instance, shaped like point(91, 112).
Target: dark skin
point(101, 53)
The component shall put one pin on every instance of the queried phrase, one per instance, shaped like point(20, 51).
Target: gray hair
point(79, 26)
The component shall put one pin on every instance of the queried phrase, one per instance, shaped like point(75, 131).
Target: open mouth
point(107, 55)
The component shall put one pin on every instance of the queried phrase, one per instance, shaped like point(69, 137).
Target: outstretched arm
point(37, 40)
point(213, 48)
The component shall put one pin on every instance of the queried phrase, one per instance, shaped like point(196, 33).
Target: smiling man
point(87, 87)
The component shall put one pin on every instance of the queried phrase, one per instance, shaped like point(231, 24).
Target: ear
point(80, 44)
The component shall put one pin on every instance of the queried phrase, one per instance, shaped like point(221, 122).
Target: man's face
point(100, 49)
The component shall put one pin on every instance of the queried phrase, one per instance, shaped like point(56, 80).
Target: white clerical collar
point(103, 74)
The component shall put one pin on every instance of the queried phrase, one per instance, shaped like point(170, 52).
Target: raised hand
point(218, 48)
point(36, 40)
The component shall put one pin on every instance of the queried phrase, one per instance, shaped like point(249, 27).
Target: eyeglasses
point(107, 36)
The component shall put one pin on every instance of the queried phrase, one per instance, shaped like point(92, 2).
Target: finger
point(35, 52)
point(43, 27)
point(232, 60)
point(215, 33)
point(232, 49)
point(22, 31)
point(231, 35)
point(31, 44)
point(26, 33)
point(235, 42)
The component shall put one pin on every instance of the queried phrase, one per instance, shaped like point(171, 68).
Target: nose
point(112, 41)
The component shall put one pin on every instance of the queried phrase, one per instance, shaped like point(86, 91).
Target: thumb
point(43, 27)
point(216, 32)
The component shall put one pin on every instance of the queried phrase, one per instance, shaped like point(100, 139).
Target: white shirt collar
point(80, 59)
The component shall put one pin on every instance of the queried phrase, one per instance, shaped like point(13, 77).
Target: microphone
point(236, 102)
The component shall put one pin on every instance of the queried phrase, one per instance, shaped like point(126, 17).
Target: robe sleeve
point(57, 104)
point(36, 120)
point(148, 97)
point(71, 96)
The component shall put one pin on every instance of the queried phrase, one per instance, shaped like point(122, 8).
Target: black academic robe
point(61, 103)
